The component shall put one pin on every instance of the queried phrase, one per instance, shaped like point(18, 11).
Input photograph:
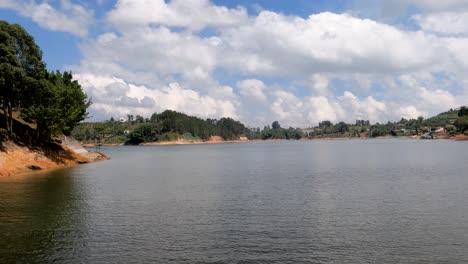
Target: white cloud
point(320, 84)
point(145, 49)
point(309, 111)
point(444, 22)
point(299, 71)
point(252, 88)
point(113, 96)
point(280, 45)
point(409, 112)
point(193, 14)
point(71, 18)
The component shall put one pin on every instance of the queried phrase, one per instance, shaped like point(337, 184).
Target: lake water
point(355, 201)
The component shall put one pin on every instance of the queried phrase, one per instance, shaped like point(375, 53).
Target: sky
point(298, 62)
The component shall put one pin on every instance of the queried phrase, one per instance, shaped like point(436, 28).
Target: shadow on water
point(38, 214)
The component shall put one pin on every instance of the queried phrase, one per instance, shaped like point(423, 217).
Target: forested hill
point(166, 126)
point(35, 103)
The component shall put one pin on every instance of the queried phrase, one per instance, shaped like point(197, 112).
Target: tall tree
point(275, 125)
point(20, 61)
point(58, 104)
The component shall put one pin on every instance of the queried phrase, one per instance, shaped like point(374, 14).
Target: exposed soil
point(16, 159)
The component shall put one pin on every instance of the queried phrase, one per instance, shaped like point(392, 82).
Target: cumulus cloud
point(444, 22)
point(252, 88)
point(280, 45)
point(155, 55)
point(113, 96)
point(71, 18)
point(308, 111)
point(146, 49)
point(320, 84)
point(192, 14)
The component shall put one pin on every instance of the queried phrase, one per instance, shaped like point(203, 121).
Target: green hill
point(442, 119)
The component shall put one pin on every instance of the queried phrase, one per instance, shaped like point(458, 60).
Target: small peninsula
point(38, 108)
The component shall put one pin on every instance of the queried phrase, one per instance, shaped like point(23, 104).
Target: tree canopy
point(52, 100)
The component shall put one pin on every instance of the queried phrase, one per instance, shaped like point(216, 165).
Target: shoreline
point(18, 160)
point(459, 137)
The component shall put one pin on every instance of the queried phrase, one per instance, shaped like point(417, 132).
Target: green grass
point(189, 136)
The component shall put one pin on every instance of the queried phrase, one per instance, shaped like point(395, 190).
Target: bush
point(170, 136)
point(462, 123)
point(189, 136)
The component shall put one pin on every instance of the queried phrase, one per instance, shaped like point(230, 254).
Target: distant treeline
point(171, 125)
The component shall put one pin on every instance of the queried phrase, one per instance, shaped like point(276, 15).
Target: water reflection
point(39, 215)
point(376, 201)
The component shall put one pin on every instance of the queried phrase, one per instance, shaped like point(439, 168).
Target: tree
point(463, 111)
point(325, 124)
point(139, 119)
point(57, 104)
point(420, 120)
point(462, 123)
point(20, 62)
point(275, 125)
point(341, 127)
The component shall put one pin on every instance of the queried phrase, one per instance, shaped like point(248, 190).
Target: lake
point(342, 201)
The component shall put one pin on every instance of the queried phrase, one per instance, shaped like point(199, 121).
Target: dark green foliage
point(230, 129)
point(463, 111)
point(20, 60)
point(276, 132)
point(462, 123)
point(57, 104)
point(166, 126)
point(144, 132)
point(53, 101)
point(362, 123)
point(275, 125)
point(341, 127)
point(325, 123)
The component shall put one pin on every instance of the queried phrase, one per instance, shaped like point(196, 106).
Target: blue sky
point(61, 49)
point(299, 62)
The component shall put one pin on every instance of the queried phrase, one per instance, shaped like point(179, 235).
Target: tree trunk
point(10, 118)
point(5, 112)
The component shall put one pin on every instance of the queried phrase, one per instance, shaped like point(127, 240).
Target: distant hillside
point(442, 119)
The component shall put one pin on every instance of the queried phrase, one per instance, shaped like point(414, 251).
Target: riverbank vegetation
point(171, 125)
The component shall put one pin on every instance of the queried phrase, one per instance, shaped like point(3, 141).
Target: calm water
point(374, 201)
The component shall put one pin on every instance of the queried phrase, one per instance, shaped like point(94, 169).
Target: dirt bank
point(460, 137)
point(15, 159)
